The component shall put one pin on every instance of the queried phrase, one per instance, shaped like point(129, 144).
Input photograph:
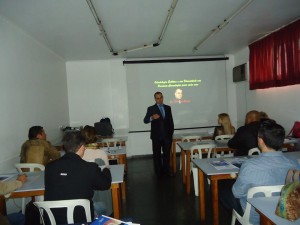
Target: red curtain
point(274, 61)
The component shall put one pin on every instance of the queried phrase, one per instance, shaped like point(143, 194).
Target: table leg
point(123, 190)
point(174, 155)
point(188, 172)
point(215, 201)
point(2, 206)
point(201, 195)
point(183, 166)
point(115, 198)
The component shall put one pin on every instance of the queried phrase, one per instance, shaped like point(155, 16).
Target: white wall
point(281, 104)
point(32, 91)
point(98, 89)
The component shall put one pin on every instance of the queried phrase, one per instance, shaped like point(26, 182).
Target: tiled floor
point(162, 201)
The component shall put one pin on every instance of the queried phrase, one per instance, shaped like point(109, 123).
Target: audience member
point(71, 177)
point(5, 188)
point(90, 134)
point(270, 168)
point(226, 126)
point(246, 136)
point(37, 149)
point(263, 116)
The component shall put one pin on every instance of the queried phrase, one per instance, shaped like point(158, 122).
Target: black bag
point(104, 127)
point(32, 214)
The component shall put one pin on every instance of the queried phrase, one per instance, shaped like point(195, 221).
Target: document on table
point(222, 164)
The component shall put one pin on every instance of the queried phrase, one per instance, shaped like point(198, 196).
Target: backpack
point(295, 131)
point(288, 206)
point(104, 127)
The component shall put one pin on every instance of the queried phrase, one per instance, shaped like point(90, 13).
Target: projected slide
point(196, 92)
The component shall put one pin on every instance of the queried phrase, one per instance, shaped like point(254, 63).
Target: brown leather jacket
point(38, 151)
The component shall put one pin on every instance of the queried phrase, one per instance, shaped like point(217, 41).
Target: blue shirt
point(270, 168)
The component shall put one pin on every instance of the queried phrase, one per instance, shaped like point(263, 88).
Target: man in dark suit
point(70, 177)
point(162, 129)
point(246, 136)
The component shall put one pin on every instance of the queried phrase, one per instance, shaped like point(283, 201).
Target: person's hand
point(22, 178)
point(155, 116)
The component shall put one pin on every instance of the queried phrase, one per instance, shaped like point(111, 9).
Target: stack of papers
point(229, 163)
point(104, 220)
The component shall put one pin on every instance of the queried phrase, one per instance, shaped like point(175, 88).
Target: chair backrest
point(35, 154)
point(198, 150)
point(224, 137)
point(91, 155)
point(254, 151)
point(69, 204)
point(112, 142)
point(191, 138)
point(29, 167)
point(266, 190)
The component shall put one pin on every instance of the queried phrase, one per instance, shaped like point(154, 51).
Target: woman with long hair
point(225, 125)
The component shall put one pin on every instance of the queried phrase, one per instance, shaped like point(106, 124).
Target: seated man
point(270, 168)
point(5, 188)
point(71, 177)
point(245, 137)
point(37, 149)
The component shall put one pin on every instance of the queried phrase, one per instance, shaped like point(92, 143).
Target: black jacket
point(163, 127)
point(70, 177)
point(245, 138)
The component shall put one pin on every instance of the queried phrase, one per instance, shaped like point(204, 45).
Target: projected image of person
point(162, 129)
point(179, 97)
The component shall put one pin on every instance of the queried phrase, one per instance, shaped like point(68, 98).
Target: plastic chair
point(225, 137)
point(69, 204)
point(252, 151)
point(200, 149)
point(91, 155)
point(112, 142)
point(266, 190)
point(28, 167)
point(189, 139)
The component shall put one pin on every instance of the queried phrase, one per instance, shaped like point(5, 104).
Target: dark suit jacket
point(245, 138)
point(70, 177)
point(163, 127)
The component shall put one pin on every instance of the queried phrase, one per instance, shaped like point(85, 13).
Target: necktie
point(162, 110)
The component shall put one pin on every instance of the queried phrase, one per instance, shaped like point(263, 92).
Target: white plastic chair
point(112, 142)
point(252, 151)
point(189, 139)
point(266, 190)
point(69, 204)
point(29, 167)
point(207, 149)
point(225, 137)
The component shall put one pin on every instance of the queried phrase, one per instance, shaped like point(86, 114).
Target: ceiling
point(69, 29)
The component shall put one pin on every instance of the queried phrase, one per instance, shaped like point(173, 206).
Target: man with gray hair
point(71, 177)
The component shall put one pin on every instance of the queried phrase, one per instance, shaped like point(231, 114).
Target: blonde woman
point(225, 125)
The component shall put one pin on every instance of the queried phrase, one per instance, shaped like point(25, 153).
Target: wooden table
point(205, 168)
point(186, 157)
point(177, 137)
point(34, 186)
point(266, 206)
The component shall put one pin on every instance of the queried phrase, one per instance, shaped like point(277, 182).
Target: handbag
point(288, 206)
point(295, 131)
